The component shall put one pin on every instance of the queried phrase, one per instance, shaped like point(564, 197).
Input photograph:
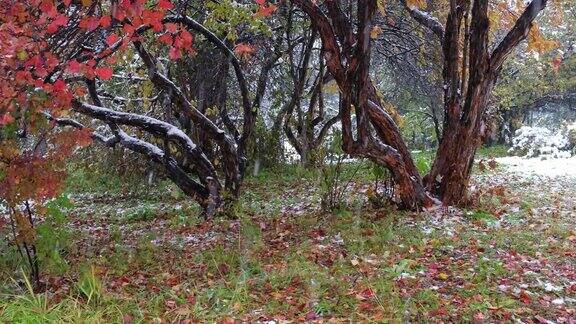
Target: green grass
point(493, 151)
point(272, 263)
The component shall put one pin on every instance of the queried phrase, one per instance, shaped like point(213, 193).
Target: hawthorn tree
point(470, 72)
point(347, 52)
point(74, 72)
point(115, 62)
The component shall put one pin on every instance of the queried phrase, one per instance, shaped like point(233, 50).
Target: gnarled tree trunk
point(347, 55)
point(470, 73)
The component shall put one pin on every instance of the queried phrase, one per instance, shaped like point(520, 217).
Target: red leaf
point(187, 39)
point(266, 11)
point(243, 50)
point(74, 66)
point(174, 53)
point(105, 21)
point(84, 137)
point(524, 297)
point(165, 4)
point(111, 60)
point(127, 319)
point(166, 39)
point(311, 315)
point(60, 20)
point(118, 13)
point(368, 293)
point(104, 73)
point(59, 85)
point(6, 119)
point(112, 39)
point(191, 299)
point(90, 23)
point(556, 62)
point(125, 4)
point(171, 28)
point(128, 29)
point(48, 8)
point(152, 18)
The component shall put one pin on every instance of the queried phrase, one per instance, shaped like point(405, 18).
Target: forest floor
point(132, 258)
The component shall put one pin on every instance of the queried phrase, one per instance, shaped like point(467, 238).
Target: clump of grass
point(143, 213)
point(89, 286)
point(493, 151)
point(479, 215)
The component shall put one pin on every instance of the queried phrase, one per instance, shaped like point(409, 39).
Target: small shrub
point(332, 197)
point(423, 161)
point(382, 192)
point(334, 180)
point(540, 142)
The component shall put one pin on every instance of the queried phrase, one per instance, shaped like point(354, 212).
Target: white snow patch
point(550, 287)
point(558, 301)
point(536, 166)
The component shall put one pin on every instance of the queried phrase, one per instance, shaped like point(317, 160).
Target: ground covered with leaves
point(148, 257)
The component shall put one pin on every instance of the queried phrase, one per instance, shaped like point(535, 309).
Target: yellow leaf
point(538, 43)
point(494, 18)
point(443, 276)
point(22, 55)
point(331, 87)
point(375, 32)
point(382, 7)
point(415, 4)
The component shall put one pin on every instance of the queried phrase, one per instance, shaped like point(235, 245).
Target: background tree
point(347, 52)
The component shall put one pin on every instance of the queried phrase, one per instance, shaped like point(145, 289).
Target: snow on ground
point(535, 166)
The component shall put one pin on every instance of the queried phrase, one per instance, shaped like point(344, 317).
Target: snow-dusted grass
point(509, 257)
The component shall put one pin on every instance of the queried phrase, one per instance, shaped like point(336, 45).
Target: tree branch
point(107, 141)
point(154, 126)
point(249, 111)
point(426, 20)
point(516, 34)
point(230, 153)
